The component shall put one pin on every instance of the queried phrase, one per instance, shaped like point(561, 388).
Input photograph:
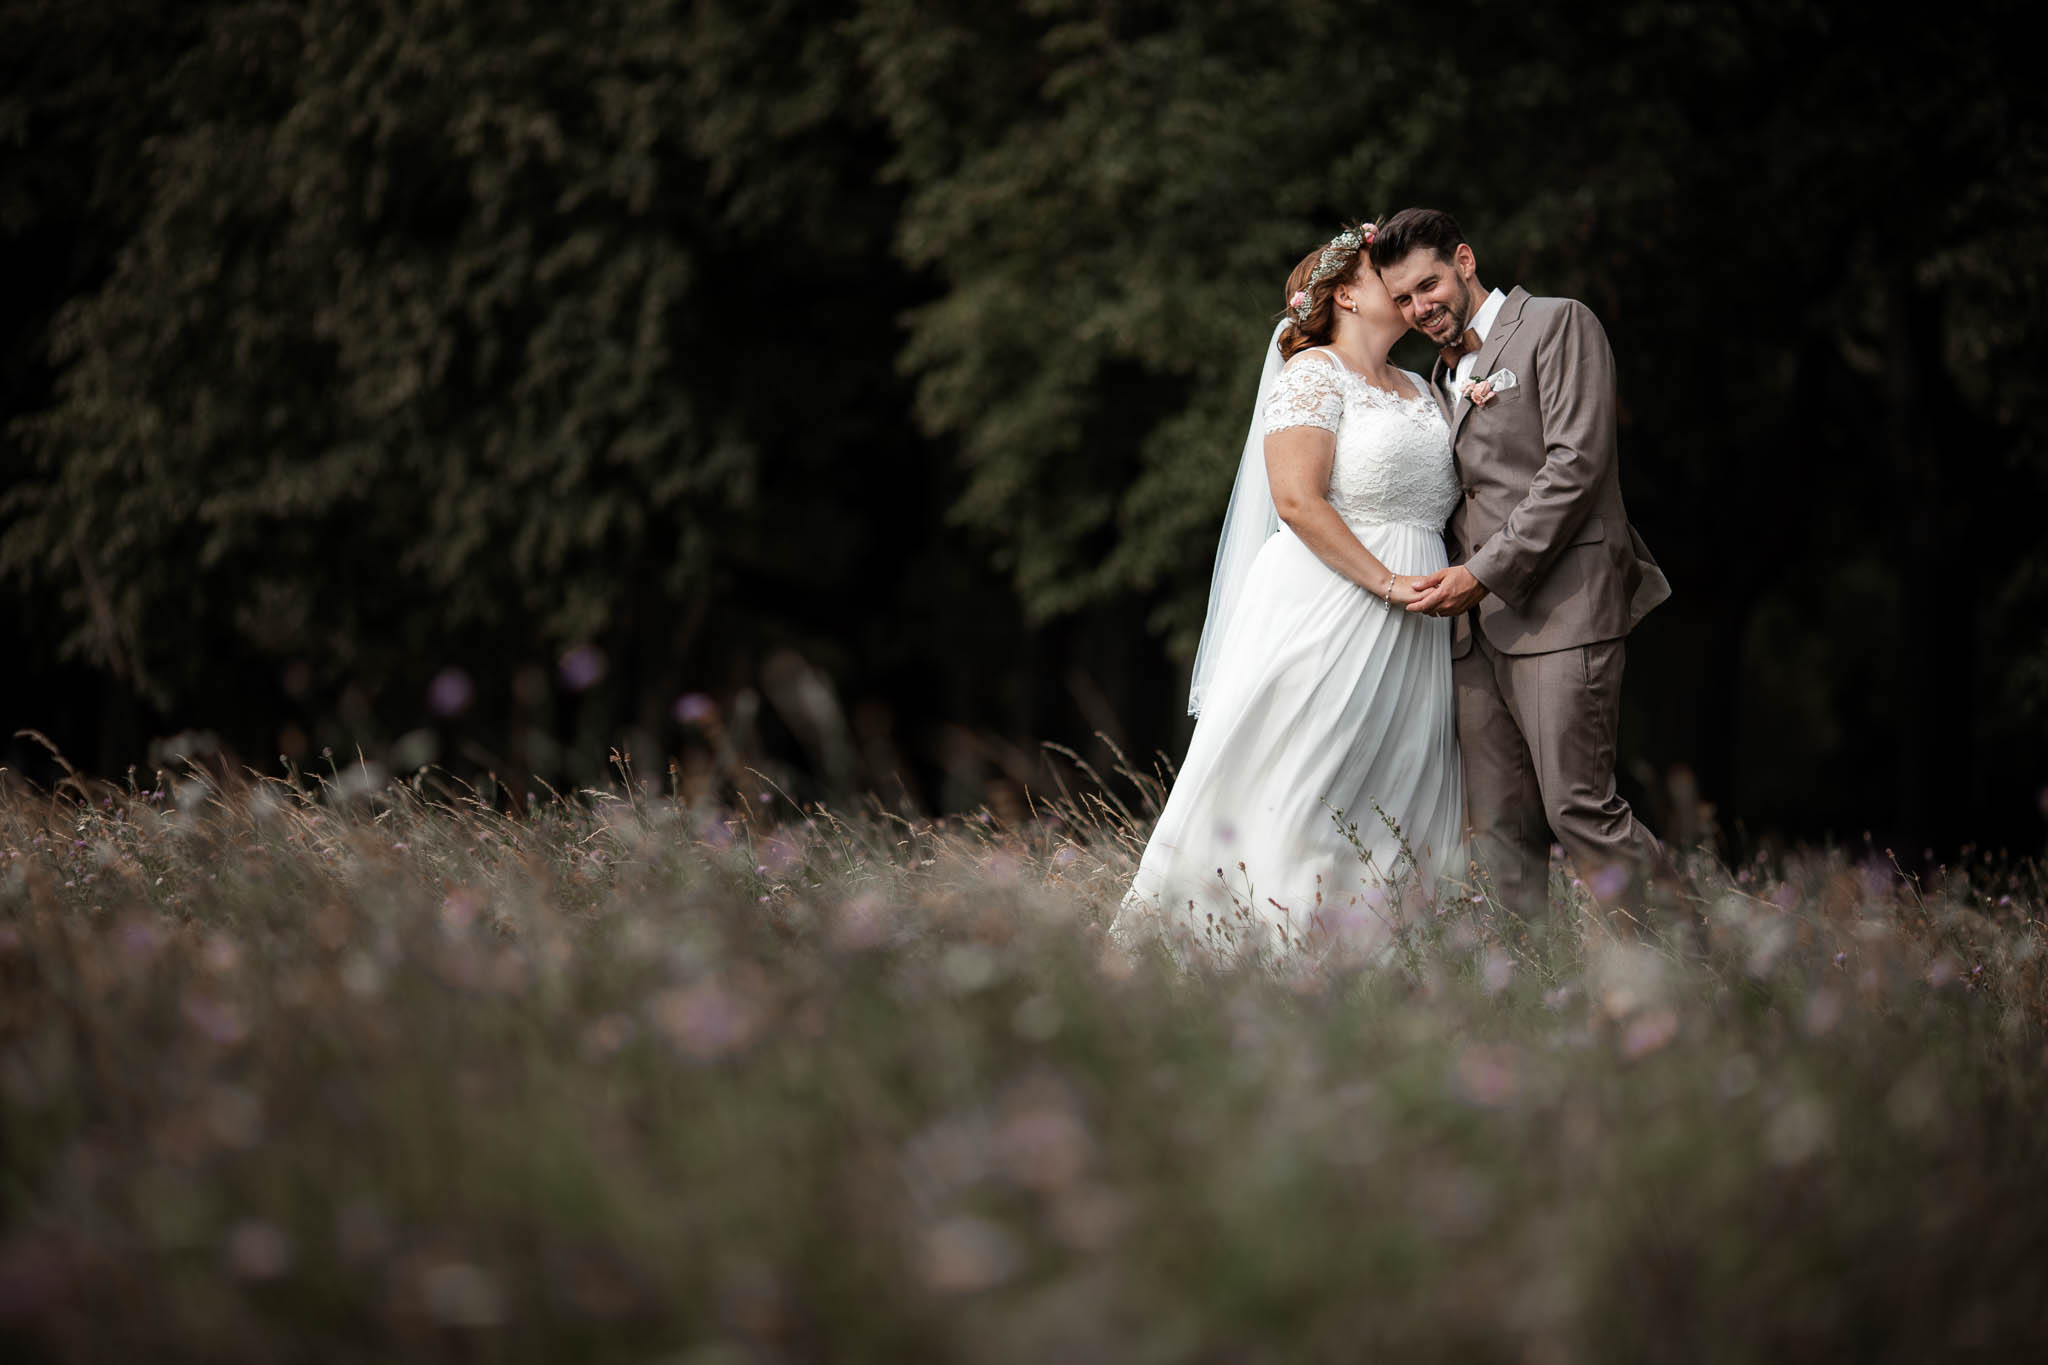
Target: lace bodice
point(1393, 459)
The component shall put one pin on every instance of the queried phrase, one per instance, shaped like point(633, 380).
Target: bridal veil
point(1246, 526)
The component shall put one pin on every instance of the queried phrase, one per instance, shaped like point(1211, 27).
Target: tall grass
point(348, 1071)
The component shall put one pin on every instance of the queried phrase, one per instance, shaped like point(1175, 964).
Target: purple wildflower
point(1610, 881)
point(450, 693)
point(215, 1020)
point(582, 667)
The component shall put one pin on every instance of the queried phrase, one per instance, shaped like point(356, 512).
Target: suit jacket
point(1542, 523)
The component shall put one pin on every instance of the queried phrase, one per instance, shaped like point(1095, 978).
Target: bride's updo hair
point(1320, 324)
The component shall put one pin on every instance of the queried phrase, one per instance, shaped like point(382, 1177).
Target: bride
point(1320, 793)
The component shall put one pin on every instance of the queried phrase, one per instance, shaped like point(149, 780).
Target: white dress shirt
point(1482, 323)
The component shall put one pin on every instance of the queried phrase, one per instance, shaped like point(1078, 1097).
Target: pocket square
point(1480, 392)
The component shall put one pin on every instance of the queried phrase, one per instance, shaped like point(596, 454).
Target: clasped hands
point(1447, 592)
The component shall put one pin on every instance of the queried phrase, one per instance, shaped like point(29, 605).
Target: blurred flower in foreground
point(459, 909)
point(508, 974)
point(1626, 978)
point(357, 780)
point(582, 667)
point(706, 1019)
point(215, 1020)
point(1737, 1076)
point(1036, 1019)
point(221, 955)
point(1090, 1217)
point(361, 1230)
point(1800, 1129)
point(1041, 1143)
point(967, 967)
point(460, 1295)
point(360, 975)
point(1488, 1074)
point(862, 922)
point(779, 854)
point(1609, 881)
point(1823, 1012)
point(1497, 971)
point(962, 1255)
point(235, 1115)
point(1648, 1032)
point(259, 1250)
point(605, 1035)
point(450, 693)
point(948, 1156)
point(140, 939)
point(1915, 1103)
point(694, 708)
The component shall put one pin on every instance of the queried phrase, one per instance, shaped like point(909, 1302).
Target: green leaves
point(444, 294)
point(386, 337)
point(1115, 248)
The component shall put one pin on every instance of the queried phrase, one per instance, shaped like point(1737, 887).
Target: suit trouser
point(1537, 732)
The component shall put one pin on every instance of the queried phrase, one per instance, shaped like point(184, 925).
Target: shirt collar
point(1482, 321)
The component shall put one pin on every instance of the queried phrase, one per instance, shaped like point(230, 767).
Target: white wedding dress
point(1322, 701)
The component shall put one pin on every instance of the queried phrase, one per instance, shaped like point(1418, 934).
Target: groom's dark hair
point(1412, 228)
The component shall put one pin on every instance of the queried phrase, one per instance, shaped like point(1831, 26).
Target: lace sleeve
point(1308, 395)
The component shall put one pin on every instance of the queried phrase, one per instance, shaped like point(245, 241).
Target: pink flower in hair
point(1300, 299)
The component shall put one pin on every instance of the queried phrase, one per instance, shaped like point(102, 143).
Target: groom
point(1546, 578)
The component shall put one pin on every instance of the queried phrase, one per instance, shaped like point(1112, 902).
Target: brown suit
point(1543, 527)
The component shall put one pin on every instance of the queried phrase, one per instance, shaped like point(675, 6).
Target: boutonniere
point(1480, 392)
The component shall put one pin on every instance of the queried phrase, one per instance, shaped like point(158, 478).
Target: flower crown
point(1344, 246)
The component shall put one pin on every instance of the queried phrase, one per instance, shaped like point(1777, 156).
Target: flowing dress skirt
point(1326, 706)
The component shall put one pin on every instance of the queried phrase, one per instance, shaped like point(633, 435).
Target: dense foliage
point(903, 347)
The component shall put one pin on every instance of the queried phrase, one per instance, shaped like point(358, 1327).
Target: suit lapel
point(1439, 377)
point(1504, 324)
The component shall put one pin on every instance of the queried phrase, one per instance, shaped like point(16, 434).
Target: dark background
point(851, 392)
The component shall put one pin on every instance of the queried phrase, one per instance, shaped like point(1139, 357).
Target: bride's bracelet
point(1388, 596)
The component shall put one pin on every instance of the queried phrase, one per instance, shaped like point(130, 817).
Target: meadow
point(356, 1068)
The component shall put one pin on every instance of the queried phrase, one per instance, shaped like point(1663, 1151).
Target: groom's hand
point(1447, 592)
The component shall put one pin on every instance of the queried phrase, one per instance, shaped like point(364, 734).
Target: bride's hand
point(1407, 588)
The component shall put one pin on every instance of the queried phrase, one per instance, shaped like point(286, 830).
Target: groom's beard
point(1457, 312)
